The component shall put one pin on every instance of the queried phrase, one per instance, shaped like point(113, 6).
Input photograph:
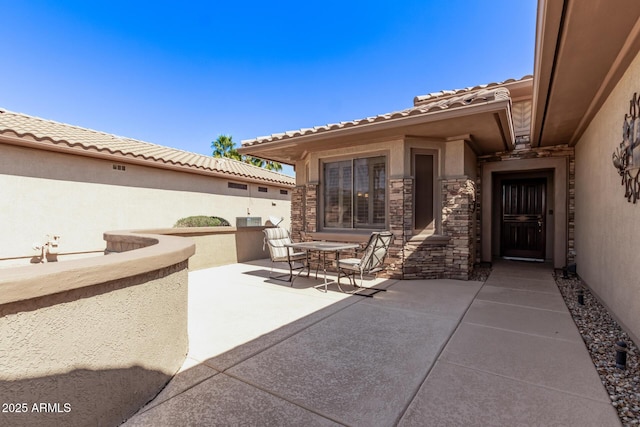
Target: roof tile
point(421, 99)
point(55, 133)
point(463, 99)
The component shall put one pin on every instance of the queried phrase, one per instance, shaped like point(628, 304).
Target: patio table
point(322, 247)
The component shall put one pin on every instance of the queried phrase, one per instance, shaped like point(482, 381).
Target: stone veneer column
point(400, 208)
point(478, 216)
point(311, 208)
point(571, 213)
point(457, 223)
point(298, 205)
point(304, 211)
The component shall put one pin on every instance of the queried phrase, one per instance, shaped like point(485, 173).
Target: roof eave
point(581, 54)
point(548, 26)
point(501, 107)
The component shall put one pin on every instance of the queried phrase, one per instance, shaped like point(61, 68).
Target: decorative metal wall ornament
point(626, 158)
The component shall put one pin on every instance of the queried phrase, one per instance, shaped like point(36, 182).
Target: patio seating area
point(426, 352)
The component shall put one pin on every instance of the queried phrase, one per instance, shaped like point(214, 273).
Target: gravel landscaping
point(600, 333)
point(480, 272)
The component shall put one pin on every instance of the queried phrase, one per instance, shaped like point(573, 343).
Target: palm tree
point(273, 166)
point(224, 146)
point(254, 161)
point(267, 164)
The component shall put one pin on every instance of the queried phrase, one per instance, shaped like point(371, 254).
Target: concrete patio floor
point(424, 353)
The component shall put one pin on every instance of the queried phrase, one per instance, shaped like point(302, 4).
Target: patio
point(426, 352)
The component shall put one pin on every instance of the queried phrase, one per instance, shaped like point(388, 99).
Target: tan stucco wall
point(470, 162)
point(79, 197)
point(607, 226)
point(217, 246)
point(454, 157)
point(96, 338)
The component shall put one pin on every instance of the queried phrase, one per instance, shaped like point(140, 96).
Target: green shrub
point(201, 221)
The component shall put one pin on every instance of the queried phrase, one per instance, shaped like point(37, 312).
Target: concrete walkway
point(424, 353)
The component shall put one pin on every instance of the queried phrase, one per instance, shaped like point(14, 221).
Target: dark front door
point(523, 218)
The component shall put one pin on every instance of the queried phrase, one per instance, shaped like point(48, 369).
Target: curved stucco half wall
point(88, 342)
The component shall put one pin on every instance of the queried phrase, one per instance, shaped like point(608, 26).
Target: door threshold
point(515, 258)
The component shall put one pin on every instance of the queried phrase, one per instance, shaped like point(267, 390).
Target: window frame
point(321, 217)
point(435, 225)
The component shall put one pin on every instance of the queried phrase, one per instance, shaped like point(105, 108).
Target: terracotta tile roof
point(465, 98)
point(86, 140)
point(422, 99)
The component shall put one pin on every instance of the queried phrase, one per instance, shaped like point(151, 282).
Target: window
point(423, 170)
point(284, 192)
point(355, 193)
point(262, 189)
point(237, 186)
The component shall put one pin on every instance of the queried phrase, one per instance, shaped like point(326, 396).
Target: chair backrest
point(375, 251)
point(275, 239)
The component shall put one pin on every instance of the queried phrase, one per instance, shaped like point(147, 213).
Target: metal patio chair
point(371, 261)
point(276, 239)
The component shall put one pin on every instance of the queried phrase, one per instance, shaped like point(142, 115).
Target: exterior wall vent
point(237, 186)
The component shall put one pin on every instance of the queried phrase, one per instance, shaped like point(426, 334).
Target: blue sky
point(182, 73)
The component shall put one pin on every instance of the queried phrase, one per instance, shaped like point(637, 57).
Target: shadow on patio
point(426, 352)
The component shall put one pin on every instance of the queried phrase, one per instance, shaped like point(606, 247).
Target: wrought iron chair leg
point(280, 277)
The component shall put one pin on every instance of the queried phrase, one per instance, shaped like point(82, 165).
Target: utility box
point(248, 221)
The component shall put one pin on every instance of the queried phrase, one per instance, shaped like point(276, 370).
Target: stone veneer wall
point(526, 152)
point(458, 202)
point(311, 208)
point(571, 253)
point(400, 208)
point(298, 209)
point(304, 208)
point(445, 256)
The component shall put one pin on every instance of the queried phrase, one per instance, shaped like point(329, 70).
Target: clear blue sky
point(182, 73)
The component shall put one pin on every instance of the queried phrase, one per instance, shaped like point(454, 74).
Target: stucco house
point(519, 169)
point(76, 183)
